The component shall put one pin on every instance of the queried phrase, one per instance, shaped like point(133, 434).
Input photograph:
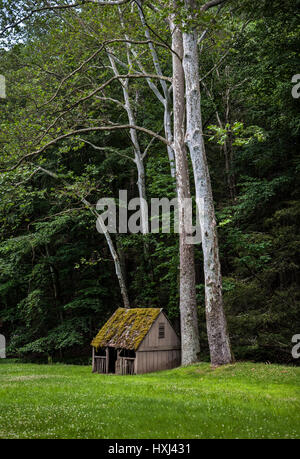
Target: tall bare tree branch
point(84, 131)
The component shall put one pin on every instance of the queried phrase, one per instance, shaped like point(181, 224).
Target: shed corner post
point(93, 359)
point(107, 359)
point(117, 364)
point(135, 368)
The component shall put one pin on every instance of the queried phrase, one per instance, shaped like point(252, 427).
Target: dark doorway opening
point(112, 359)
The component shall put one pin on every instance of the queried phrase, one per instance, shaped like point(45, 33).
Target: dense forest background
point(57, 279)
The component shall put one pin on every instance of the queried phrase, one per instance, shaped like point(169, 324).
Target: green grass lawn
point(244, 400)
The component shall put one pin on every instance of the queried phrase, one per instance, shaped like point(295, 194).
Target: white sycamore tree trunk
point(138, 157)
point(188, 307)
point(218, 338)
point(165, 99)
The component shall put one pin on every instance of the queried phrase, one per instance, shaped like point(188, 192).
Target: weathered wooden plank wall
point(148, 361)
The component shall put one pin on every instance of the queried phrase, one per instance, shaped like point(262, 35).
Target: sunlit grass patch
point(244, 400)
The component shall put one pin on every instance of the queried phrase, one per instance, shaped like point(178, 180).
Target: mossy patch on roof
point(126, 328)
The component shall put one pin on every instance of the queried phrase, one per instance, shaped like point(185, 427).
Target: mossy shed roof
point(126, 328)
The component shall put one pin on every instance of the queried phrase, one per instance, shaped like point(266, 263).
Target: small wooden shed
point(134, 341)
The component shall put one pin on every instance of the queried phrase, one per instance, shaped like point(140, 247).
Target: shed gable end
point(160, 336)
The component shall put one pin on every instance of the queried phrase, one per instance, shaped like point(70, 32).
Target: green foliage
point(57, 279)
point(239, 132)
